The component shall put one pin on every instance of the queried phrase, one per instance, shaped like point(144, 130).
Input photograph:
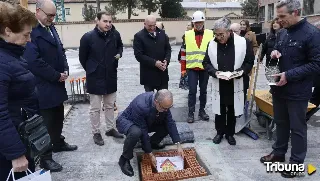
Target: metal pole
point(80, 96)
point(72, 90)
point(77, 89)
point(205, 15)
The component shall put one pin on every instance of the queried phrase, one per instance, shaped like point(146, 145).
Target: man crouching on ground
point(148, 112)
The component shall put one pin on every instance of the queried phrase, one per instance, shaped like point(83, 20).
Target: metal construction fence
point(78, 91)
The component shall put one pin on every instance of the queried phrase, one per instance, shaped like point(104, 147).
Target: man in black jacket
point(152, 49)
point(298, 50)
point(47, 61)
point(99, 53)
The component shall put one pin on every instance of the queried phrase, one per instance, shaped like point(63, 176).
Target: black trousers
point(195, 76)
point(226, 122)
point(134, 134)
point(6, 166)
point(246, 80)
point(53, 119)
point(289, 116)
point(152, 88)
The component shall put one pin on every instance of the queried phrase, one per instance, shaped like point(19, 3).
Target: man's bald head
point(150, 23)
point(45, 11)
point(150, 18)
point(235, 27)
point(163, 100)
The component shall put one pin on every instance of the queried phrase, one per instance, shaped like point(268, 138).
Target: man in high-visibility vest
point(192, 54)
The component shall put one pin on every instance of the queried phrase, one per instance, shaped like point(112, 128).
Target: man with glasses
point(227, 52)
point(148, 112)
point(47, 61)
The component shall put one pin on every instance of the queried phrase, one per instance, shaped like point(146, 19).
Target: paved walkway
point(241, 162)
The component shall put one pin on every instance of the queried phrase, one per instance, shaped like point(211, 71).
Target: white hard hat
point(198, 16)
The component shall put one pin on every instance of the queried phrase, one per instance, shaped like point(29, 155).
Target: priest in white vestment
point(227, 52)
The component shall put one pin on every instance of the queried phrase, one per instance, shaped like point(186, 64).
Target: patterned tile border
point(192, 167)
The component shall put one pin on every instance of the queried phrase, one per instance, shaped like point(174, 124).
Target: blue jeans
point(195, 76)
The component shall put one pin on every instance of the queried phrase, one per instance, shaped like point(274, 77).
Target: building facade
point(213, 9)
point(73, 9)
point(210, 1)
point(268, 9)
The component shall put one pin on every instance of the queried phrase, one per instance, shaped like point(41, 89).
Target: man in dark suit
point(148, 112)
point(47, 61)
point(152, 49)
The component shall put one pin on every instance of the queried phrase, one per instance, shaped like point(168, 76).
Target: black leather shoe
point(217, 139)
point(231, 140)
point(203, 115)
point(190, 118)
point(272, 158)
point(97, 138)
point(126, 167)
point(50, 165)
point(64, 147)
point(157, 146)
point(122, 161)
point(286, 174)
point(114, 133)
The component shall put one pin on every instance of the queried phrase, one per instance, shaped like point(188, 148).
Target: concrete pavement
point(241, 162)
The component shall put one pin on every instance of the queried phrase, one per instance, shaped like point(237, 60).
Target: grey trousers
point(290, 115)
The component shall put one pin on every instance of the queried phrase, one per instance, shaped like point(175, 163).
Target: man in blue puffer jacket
point(298, 51)
point(148, 112)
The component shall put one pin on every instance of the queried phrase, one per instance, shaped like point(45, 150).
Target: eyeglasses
point(163, 108)
point(220, 35)
point(48, 15)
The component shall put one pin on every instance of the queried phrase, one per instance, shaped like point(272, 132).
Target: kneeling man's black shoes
point(126, 167)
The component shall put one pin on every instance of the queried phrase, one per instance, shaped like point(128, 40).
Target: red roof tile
point(166, 161)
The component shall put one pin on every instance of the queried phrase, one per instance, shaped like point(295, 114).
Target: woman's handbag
point(34, 135)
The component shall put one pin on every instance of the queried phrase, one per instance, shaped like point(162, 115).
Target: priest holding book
point(227, 59)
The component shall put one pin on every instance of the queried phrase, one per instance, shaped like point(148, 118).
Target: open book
point(229, 75)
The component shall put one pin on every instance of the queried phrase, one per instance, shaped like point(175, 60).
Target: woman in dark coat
point(268, 45)
point(17, 88)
